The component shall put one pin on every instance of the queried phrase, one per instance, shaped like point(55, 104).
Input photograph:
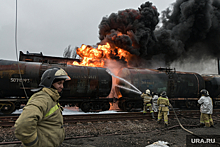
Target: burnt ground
point(134, 133)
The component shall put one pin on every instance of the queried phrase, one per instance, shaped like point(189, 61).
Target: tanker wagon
point(183, 88)
point(87, 89)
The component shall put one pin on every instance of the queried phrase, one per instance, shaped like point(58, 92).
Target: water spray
point(135, 91)
point(128, 89)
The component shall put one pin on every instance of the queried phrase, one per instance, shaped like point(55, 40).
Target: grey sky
point(49, 26)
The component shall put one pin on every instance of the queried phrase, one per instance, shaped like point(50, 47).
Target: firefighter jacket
point(155, 98)
point(41, 122)
point(163, 103)
point(155, 106)
point(206, 105)
point(146, 98)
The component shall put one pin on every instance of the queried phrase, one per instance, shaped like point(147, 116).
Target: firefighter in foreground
point(206, 109)
point(147, 99)
point(41, 122)
point(163, 103)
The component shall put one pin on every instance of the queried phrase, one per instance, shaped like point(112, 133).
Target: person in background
point(154, 100)
point(206, 109)
point(163, 103)
point(41, 122)
point(147, 101)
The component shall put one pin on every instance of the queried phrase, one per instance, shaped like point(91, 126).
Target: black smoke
point(191, 27)
point(136, 26)
point(195, 25)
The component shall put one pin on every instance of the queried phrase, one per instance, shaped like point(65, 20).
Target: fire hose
point(188, 130)
point(179, 122)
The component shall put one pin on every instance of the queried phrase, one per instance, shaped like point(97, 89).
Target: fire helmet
point(147, 91)
point(163, 94)
point(204, 92)
point(51, 74)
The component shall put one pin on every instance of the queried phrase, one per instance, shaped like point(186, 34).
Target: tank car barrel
point(212, 84)
point(177, 84)
point(86, 81)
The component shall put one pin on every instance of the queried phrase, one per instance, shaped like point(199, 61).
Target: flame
point(96, 57)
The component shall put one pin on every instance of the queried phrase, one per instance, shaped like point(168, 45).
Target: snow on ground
point(74, 111)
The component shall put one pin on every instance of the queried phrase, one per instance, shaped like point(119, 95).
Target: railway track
point(8, 121)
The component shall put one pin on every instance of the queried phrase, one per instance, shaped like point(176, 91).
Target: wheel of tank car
point(120, 105)
point(7, 107)
point(105, 106)
point(129, 106)
point(85, 106)
point(96, 106)
point(138, 105)
point(17, 105)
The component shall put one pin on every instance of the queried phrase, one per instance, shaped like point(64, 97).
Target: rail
point(8, 121)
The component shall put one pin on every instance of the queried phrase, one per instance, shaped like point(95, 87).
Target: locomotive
point(89, 87)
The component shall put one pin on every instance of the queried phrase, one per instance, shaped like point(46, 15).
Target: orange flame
point(96, 56)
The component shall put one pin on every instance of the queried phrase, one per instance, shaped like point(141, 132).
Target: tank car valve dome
point(204, 92)
point(164, 94)
point(51, 74)
point(147, 91)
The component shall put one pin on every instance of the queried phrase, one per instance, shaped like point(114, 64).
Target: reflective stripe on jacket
point(163, 103)
point(146, 98)
point(41, 122)
point(206, 105)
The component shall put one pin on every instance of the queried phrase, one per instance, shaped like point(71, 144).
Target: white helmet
point(147, 91)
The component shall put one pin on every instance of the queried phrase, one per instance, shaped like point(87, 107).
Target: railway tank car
point(87, 89)
point(90, 86)
point(182, 87)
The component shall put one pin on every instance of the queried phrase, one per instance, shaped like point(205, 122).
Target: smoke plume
point(130, 29)
point(194, 24)
point(192, 28)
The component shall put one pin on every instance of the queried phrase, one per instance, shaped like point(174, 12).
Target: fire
point(96, 56)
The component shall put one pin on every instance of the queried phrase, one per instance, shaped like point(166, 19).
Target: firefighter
point(163, 103)
point(41, 122)
point(206, 109)
point(154, 103)
point(147, 100)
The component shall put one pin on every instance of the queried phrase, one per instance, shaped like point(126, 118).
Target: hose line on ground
point(179, 121)
point(186, 129)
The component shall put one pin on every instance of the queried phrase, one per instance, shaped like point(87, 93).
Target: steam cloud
point(191, 27)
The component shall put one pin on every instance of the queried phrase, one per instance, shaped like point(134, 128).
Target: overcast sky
point(49, 26)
